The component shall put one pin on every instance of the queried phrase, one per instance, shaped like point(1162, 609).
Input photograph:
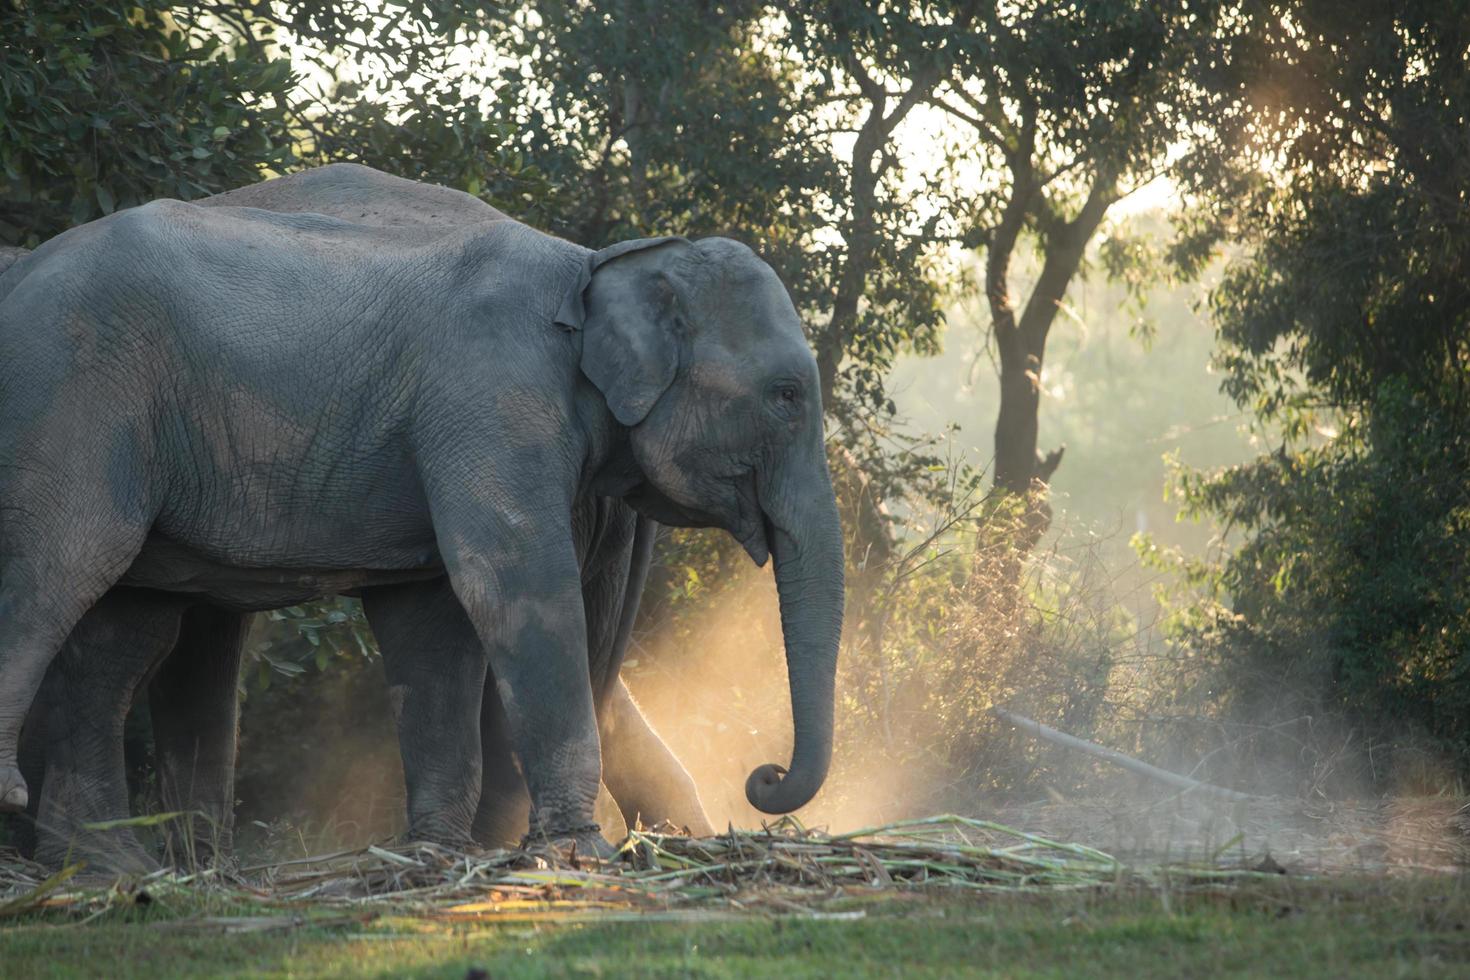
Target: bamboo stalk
point(1117, 758)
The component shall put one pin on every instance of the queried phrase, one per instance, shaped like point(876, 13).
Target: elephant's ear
point(625, 305)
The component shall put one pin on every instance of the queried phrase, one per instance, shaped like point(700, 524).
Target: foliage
point(285, 642)
point(1070, 108)
point(1346, 331)
point(106, 106)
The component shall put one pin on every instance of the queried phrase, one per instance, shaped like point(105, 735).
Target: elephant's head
point(699, 353)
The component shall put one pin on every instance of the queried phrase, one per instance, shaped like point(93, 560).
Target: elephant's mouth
point(752, 528)
point(748, 524)
point(757, 541)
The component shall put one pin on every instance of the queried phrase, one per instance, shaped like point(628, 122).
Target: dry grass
point(1178, 842)
point(783, 867)
point(933, 897)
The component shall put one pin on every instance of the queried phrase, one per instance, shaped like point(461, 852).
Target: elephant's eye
point(786, 398)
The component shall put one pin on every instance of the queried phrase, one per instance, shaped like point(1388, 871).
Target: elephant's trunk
point(806, 542)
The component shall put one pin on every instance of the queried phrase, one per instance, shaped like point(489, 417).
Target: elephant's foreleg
point(530, 618)
point(87, 694)
point(195, 709)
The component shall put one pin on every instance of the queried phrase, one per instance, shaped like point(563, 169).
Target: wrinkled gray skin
point(76, 725)
point(259, 408)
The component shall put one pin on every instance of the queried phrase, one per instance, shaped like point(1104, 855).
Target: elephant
point(259, 407)
point(192, 647)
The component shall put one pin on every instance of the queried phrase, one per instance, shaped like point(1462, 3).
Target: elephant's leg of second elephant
point(194, 704)
point(436, 675)
point(503, 806)
point(504, 813)
point(643, 775)
point(87, 692)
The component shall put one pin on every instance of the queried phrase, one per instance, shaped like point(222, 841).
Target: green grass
point(1415, 927)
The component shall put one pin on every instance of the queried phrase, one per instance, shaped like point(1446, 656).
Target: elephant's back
point(9, 256)
point(362, 195)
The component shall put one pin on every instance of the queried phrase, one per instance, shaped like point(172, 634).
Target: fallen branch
point(1117, 758)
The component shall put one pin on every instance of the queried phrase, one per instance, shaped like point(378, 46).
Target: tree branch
point(1066, 244)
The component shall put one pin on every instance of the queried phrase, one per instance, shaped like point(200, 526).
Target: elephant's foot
point(101, 857)
point(203, 845)
point(578, 846)
point(13, 793)
point(450, 837)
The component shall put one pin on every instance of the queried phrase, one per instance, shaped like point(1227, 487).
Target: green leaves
point(1345, 330)
point(104, 107)
point(292, 640)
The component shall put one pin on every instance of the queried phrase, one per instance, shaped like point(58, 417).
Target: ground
point(936, 897)
point(1346, 927)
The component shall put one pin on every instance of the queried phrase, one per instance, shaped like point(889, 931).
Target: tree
point(106, 106)
point(1063, 109)
point(1071, 108)
point(1345, 330)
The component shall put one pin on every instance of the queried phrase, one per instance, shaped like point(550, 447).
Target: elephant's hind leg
point(40, 603)
point(66, 537)
point(87, 694)
point(195, 709)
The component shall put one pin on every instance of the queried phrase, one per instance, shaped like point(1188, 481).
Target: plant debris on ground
point(784, 867)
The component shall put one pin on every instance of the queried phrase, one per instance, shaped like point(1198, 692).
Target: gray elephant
point(193, 646)
point(259, 408)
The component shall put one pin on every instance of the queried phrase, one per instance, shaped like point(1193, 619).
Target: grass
point(1371, 928)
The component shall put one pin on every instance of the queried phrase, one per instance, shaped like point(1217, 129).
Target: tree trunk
point(1016, 425)
point(860, 232)
point(1020, 469)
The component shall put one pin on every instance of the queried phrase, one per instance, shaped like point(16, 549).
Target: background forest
point(1217, 250)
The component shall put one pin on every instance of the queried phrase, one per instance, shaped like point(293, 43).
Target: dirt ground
point(1369, 837)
